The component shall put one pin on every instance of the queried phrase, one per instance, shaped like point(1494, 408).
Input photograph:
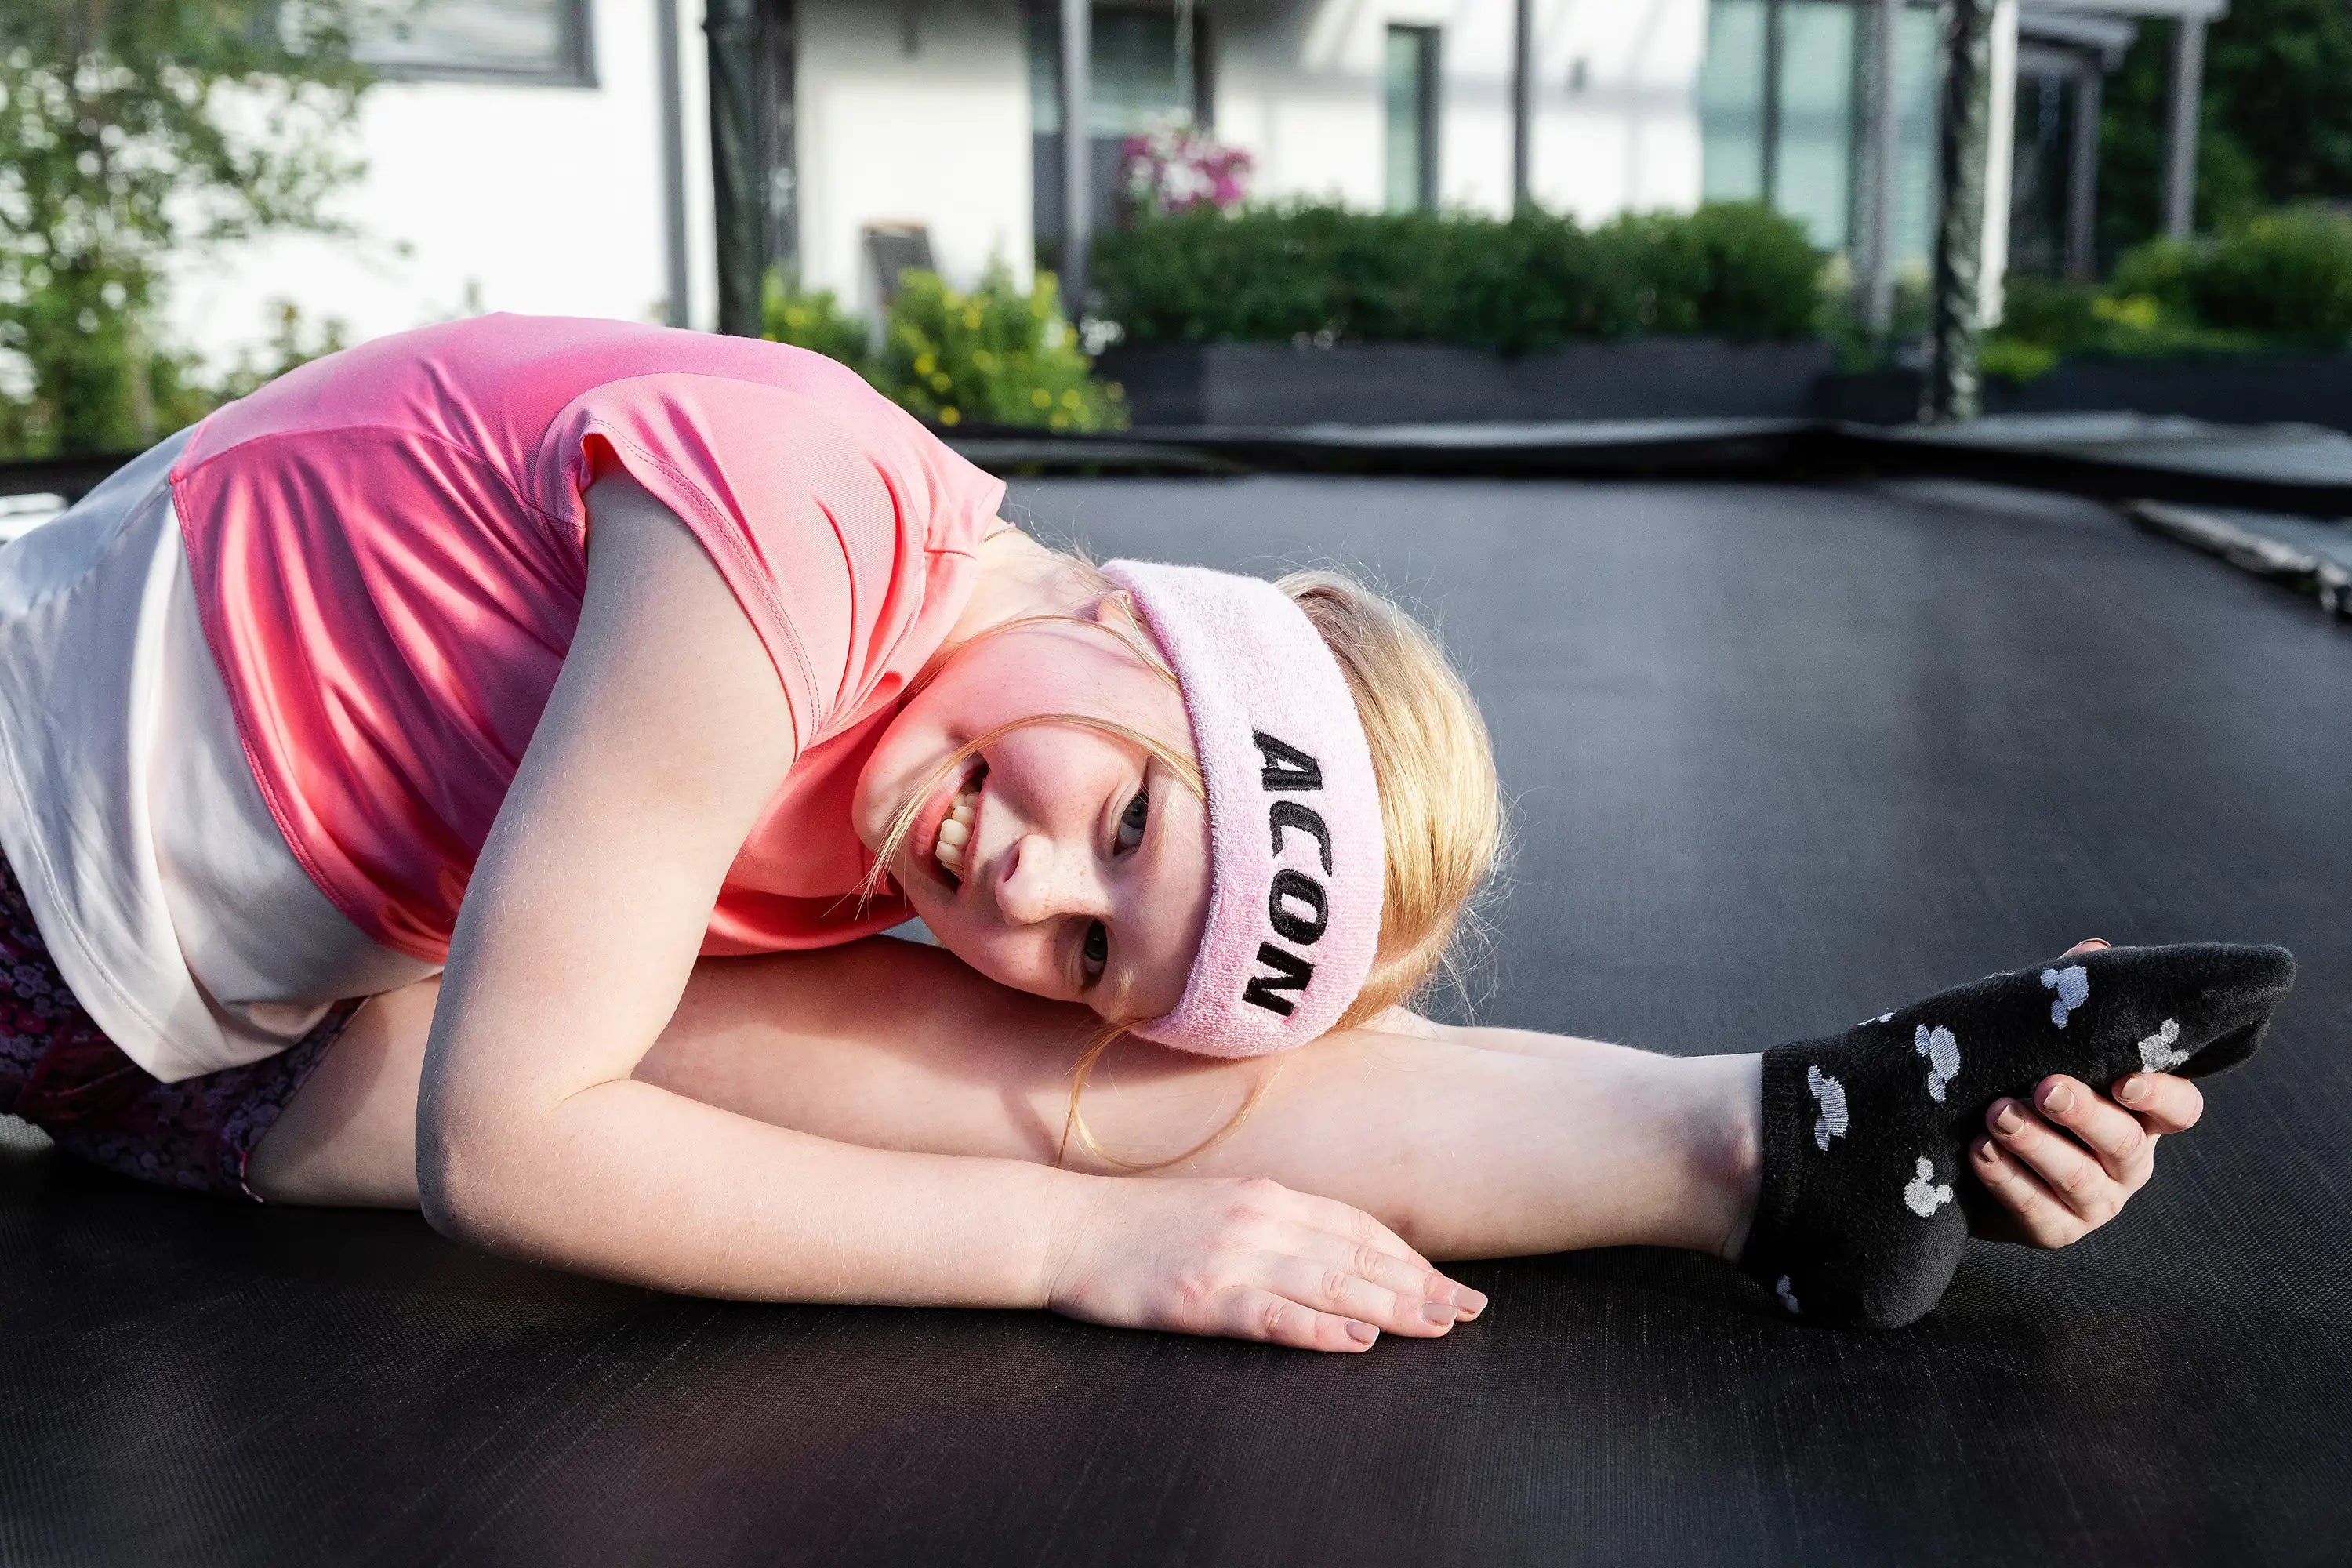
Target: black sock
point(1865, 1133)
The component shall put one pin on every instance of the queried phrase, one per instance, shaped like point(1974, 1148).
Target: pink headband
point(1295, 843)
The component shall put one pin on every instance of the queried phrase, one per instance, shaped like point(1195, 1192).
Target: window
point(1410, 76)
point(544, 41)
point(1148, 67)
point(1783, 117)
point(1731, 102)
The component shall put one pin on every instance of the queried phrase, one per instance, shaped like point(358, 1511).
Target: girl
point(402, 767)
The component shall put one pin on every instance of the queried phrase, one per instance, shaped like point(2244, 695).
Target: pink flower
point(1175, 167)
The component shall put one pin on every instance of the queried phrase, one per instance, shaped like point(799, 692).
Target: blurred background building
point(554, 155)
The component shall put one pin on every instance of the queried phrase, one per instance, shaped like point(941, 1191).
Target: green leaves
point(996, 355)
point(814, 322)
point(2282, 279)
point(1325, 274)
point(128, 129)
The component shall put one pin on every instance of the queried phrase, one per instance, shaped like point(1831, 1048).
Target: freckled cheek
point(1008, 958)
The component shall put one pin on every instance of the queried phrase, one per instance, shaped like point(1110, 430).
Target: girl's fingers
point(2124, 1146)
point(1329, 1214)
point(1391, 1272)
point(1328, 1287)
point(2165, 1103)
point(2091, 945)
point(2070, 1173)
point(2045, 1221)
point(1246, 1312)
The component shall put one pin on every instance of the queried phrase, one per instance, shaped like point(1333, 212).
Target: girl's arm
point(667, 733)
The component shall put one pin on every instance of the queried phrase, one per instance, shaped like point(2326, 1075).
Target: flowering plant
point(998, 355)
point(1177, 167)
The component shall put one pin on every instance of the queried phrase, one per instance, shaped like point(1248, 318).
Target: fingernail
point(2009, 1120)
point(1471, 1301)
point(2135, 1088)
point(1984, 1150)
point(2058, 1100)
point(1439, 1312)
point(1362, 1333)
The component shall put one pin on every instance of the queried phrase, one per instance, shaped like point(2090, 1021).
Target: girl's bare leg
point(1465, 1150)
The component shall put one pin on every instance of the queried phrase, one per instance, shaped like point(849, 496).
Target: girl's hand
point(2055, 1186)
point(1249, 1259)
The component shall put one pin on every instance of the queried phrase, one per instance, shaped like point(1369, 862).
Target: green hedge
point(2282, 280)
point(1272, 274)
point(997, 355)
point(2286, 275)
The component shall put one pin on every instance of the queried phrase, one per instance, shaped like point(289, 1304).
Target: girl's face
point(1084, 873)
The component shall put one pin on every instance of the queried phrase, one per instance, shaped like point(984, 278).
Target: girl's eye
point(1131, 822)
point(1096, 950)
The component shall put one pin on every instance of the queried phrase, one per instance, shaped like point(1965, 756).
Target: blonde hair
point(1442, 816)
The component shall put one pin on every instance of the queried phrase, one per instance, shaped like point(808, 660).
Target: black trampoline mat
point(1781, 758)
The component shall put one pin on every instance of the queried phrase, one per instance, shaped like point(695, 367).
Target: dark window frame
point(575, 67)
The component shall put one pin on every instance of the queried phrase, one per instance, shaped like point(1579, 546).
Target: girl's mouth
point(951, 837)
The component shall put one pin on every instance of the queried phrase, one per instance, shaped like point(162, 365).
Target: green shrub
point(130, 135)
point(811, 321)
point(2059, 315)
point(1763, 275)
point(2287, 275)
point(995, 355)
point(2282, 277)
point(103, 388)
point(2142, 314)
point(2015, 359)
point(1271, 274)
point(2163, 270)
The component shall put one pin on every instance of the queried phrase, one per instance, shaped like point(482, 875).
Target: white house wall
point(1298, 84)
point(549, 199)
point(937, 135)
point(1616, 101)
point(493, 197)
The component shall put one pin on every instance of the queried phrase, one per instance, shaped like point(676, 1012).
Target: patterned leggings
point(58, 1071)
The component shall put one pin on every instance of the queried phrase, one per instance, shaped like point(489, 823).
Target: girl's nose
point(1036, 884)
point(1025, 892)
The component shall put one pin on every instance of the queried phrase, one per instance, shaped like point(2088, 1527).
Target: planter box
point(2226, 389)
point(1406, 384)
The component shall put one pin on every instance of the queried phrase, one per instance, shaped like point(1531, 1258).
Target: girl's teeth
point(955, 828)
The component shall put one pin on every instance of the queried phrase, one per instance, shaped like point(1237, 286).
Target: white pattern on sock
point(2157, 1053)
point(1830, 1094)
point(1788, 1297)
point(1943, 1054)
point(2072, 984)
point(1922, 1198)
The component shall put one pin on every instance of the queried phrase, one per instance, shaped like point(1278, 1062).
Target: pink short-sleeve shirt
point(388, 553)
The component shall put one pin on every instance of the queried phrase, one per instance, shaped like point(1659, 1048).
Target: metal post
point(1878, 282)
point(732, 28)
point(2083, 179)
point(1523, 95)
point(2180, 132)
point(1077, 152)
point(1951, 392)
point(677, 310)
point(1770, 171)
